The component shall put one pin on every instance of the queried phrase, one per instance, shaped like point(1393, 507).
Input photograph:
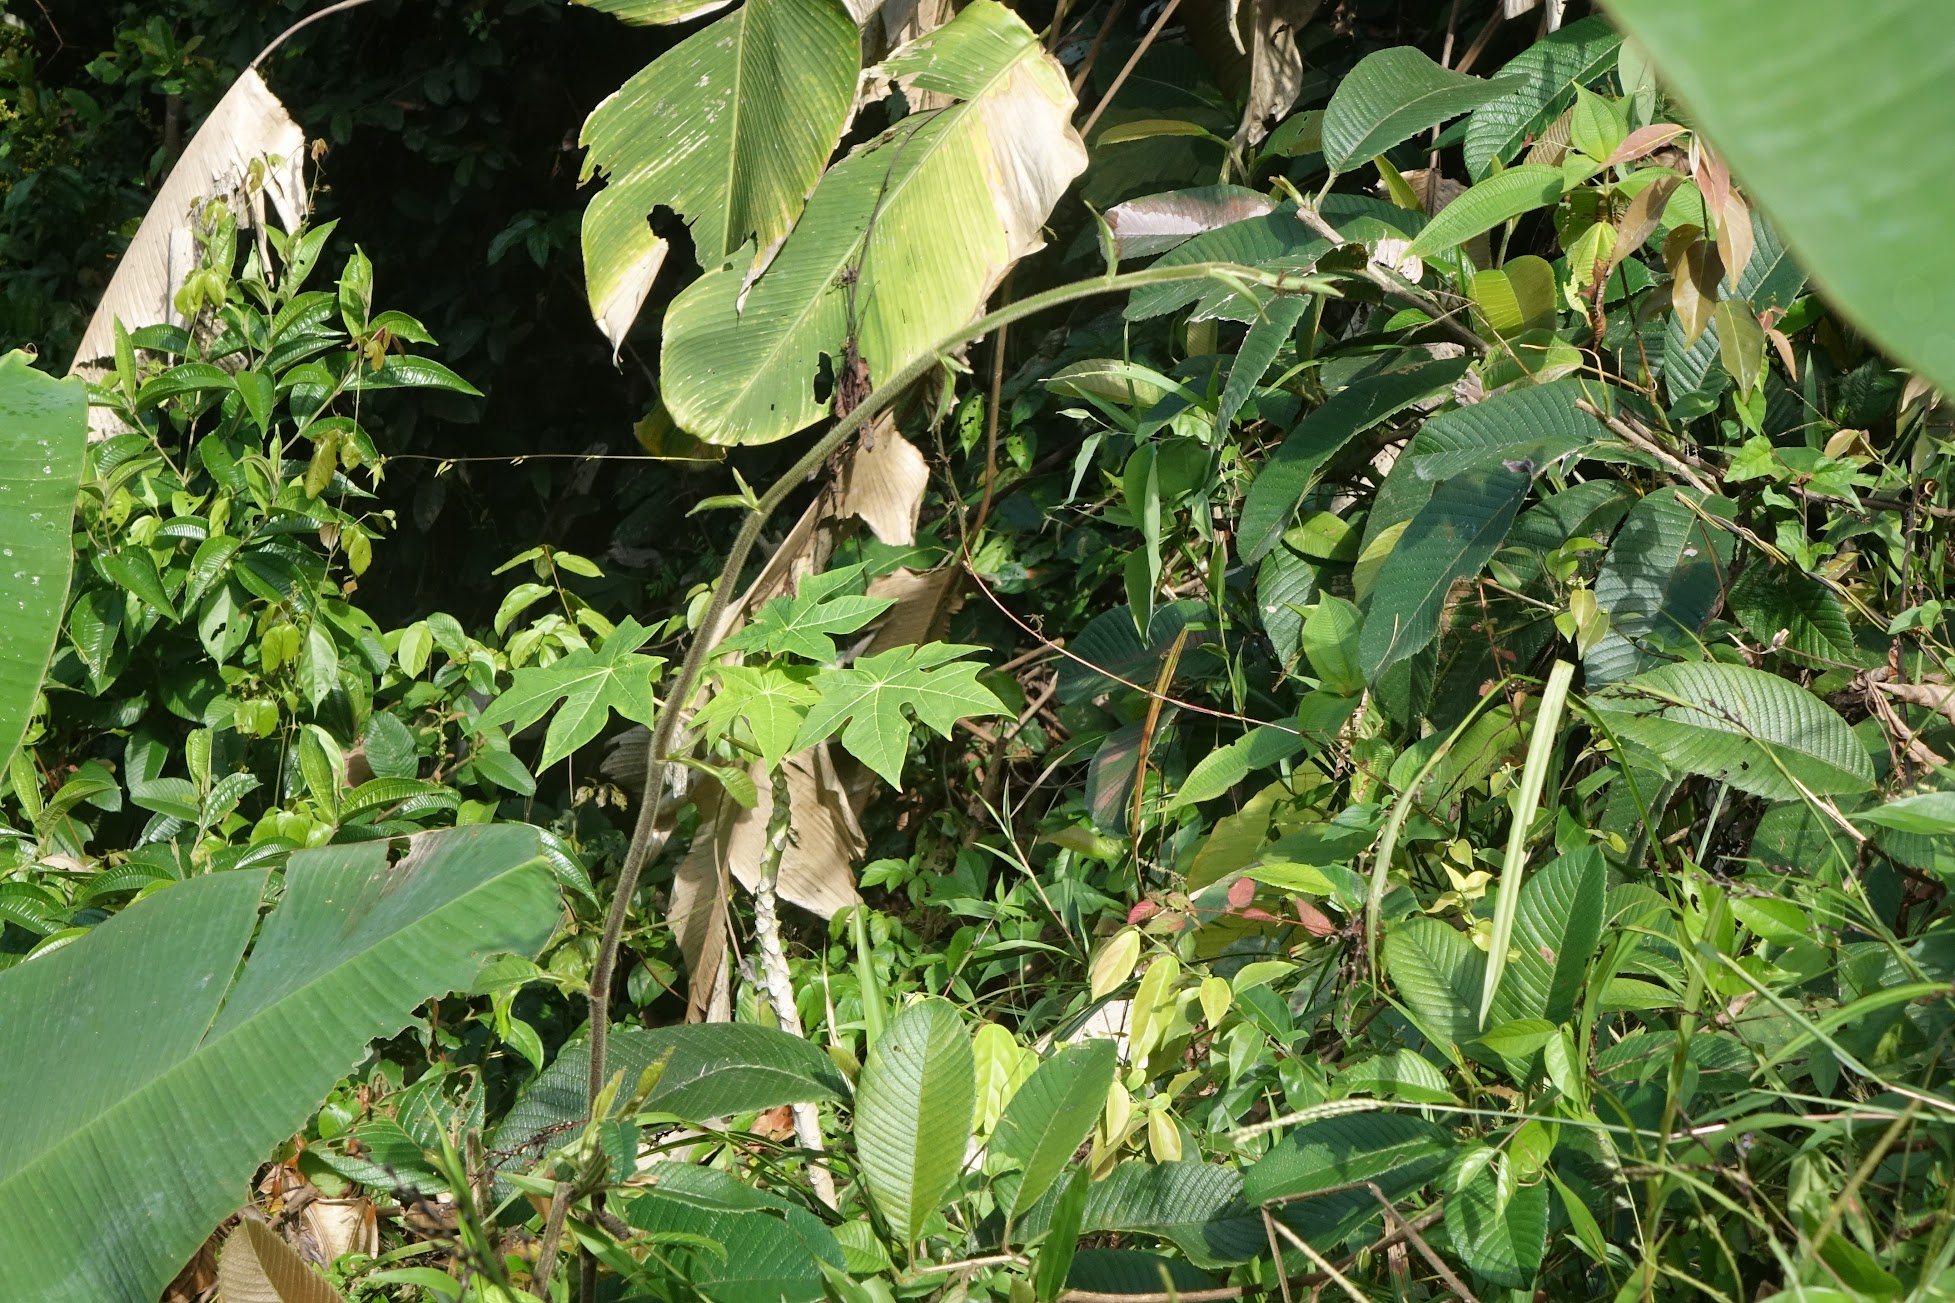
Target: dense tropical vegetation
point(775, 650)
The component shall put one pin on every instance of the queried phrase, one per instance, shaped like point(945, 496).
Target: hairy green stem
point(679, 694)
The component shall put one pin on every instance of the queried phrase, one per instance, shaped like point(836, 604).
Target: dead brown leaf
point(924, 604)
point(1275, 63)
point(256, 1266)
point(247, 127)
point(884, 486)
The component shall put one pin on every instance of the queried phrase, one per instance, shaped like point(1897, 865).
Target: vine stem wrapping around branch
point(644, 835)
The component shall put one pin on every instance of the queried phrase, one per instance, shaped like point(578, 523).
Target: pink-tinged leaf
point(1163, 220)
point(1643, 141)
point(1241, 892)
point(1314, 920)
point(1141, 912)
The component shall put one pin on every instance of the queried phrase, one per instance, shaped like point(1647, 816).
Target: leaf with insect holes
point(800, 625)
point(872, 702)
point(583, 688)
point(773, 700)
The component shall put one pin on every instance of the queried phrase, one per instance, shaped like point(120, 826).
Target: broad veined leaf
point(800, 625)
point(1266, 337)
point(910, 234)
point(1196, 1206)
point(1451, 538)
point(1330, 641)
point(1284, 479)
point(1660, 583)
point(589, 685)
point(914, 1106)
point(1555, 935)
point(1112, 642)
point(41, 442)
point(1489, 203)
point(1749, 68)
point(1501, 1240)
point(1535, 424)
point(1773, 601)
point(1754, 730)
point(1540, 82)
point(187, 1064)
point(1439, 973)
point(1051, 1115)
point(873, 700)
point(757, 1247)
point(711, 1070)
point(1397, 1151)
point(729, 129)
point(1391, 96)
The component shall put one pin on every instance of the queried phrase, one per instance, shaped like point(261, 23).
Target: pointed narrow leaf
point(1489, 203)
point(1051, 1116)
point(1266, 337)
point(1451, 538)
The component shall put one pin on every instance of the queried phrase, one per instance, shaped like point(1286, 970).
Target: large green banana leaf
point(1839, 122)
point(729, 129)
point(912, 231)
point(43, 429)
point(148, 1068)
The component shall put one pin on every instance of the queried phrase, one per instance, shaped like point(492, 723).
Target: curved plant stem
point(645, 833)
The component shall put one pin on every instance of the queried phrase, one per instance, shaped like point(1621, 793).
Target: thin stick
point(1093, 50)
point(991, 415)
point(303, 23)
point(645, 832)
point(1120, 78)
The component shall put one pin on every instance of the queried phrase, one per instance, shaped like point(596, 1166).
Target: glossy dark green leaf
point(1286, 477)
point(1391, 96)
point(1500, 1244)
point(1662, 580)
point(1534, 424)
point(1540, 82)
point(1452, 538)
point(1397, 1151)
